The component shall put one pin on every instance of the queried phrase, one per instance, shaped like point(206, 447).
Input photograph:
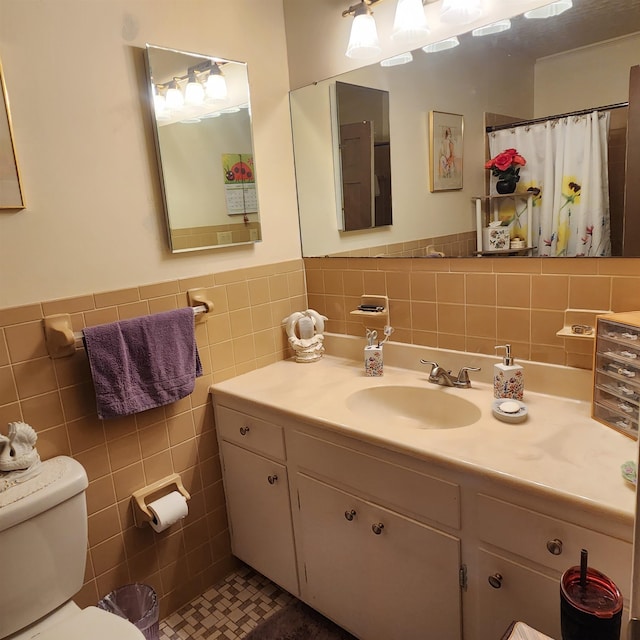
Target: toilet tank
point(43, 543)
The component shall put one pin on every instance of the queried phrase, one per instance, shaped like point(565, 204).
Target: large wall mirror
point(204, 145)
point(539, 68)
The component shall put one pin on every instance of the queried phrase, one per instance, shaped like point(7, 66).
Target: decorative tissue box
point(496, 238)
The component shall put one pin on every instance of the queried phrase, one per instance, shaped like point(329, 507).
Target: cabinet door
point(510, 591)
point(375, 572)
point(259, 511)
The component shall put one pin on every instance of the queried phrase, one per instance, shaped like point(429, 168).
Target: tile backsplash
point(243, 332)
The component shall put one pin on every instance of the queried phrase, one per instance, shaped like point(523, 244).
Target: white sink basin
point(417, 407)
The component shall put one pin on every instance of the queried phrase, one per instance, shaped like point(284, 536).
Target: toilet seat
point(87, 624)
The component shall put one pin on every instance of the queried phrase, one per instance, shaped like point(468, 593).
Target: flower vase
point(506, 186)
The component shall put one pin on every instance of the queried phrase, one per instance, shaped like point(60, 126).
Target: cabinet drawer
point(536, 536)
point(251, 433)
point(400, 488)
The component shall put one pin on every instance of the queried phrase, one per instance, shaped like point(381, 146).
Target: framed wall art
point(446, 131)
point(11, 196)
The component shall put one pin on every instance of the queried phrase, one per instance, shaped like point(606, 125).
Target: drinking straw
point(583, 568)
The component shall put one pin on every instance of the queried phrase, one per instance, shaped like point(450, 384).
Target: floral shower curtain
point(567, 167)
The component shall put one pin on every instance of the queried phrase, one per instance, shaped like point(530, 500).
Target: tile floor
point(227, 611)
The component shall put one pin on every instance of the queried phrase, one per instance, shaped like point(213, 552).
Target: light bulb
point(550, 10)
point(159, 105)
point(410, 23)
point(194, 93)
point(363, 41)
point(443, 45)
point(174, 98)
point(216, 88)
point(494, 27)
point(402, 58)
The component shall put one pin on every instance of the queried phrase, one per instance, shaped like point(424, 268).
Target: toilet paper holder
point(142, 497)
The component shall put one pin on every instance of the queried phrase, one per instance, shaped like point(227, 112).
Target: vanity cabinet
point(521, 556)
point(257, 493)
point(390, 545)
point(373, 568)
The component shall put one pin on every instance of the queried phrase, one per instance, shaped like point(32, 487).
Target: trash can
point(138, 603)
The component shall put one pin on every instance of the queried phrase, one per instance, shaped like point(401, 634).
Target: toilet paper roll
point(167, 510)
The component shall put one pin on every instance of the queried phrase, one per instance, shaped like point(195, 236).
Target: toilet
point(43, 549)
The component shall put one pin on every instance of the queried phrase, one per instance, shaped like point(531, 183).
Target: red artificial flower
point(505, 160)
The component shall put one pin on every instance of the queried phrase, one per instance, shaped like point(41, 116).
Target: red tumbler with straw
point(590, 604)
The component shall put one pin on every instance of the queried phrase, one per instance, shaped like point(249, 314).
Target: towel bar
point(62, 340)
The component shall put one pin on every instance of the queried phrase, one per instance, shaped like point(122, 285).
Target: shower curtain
point(567, 170)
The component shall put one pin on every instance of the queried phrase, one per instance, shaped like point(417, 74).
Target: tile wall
point(56, 397)
point(469, 304)
point(192, 237)
point(476, 303)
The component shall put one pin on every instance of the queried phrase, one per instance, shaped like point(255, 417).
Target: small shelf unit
point(488, 210)
point(379, 301)
point(616, 372)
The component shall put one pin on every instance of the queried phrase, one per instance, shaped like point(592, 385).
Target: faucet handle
point(434, 365)
point(463, 376)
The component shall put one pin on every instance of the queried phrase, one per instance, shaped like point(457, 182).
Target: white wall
point(75, 76)
point(592, 76)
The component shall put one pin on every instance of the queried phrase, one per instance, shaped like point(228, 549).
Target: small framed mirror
point(11, 194)
point(204, 145)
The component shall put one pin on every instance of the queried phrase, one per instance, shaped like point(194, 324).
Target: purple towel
point(142, 363)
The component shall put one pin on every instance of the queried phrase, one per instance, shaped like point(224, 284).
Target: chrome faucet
point(443, 377)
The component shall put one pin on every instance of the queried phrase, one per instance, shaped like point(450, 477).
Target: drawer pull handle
point(272, 479)
point(350, 515)
point(377, 528)
point(555, 546)
point(495, 580)
point(244, 431)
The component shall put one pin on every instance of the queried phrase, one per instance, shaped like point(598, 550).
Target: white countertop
point(559, 448)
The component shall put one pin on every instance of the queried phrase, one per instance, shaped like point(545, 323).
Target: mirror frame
point(8, 157)
point(250, 219)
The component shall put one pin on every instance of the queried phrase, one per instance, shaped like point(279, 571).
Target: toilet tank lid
point(60, 478)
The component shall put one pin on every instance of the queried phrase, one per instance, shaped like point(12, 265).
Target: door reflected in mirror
point(204, 145)
point(365, 156)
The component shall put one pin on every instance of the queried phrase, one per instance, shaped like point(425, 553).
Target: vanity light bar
point(203, 84)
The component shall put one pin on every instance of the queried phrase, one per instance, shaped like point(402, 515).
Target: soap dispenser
point(508, 377)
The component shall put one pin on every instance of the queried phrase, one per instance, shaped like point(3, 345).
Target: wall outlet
point(253, 235)
point(225, 237)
